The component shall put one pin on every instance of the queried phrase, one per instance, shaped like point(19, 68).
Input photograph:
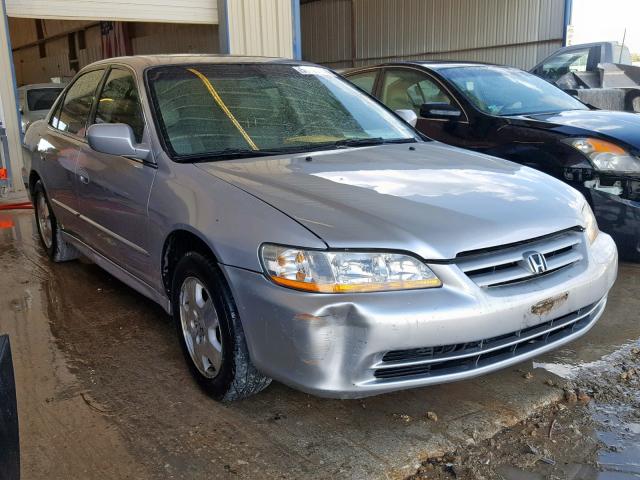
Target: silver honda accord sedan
point(296, 229)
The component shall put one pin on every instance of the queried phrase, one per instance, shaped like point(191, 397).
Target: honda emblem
point(536, 262)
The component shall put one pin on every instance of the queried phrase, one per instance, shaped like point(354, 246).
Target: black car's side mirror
point(440, 111)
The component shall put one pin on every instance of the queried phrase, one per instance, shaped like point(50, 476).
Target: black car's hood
point(621, 126)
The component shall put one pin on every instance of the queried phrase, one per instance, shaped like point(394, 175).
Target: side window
point(409, 89)
point(563, 63)
point(365, 81)
point(76, 106)
point(119, 102)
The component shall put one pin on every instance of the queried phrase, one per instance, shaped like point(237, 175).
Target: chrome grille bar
point(504, 266)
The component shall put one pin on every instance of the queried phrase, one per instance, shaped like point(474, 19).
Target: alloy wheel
point(44, 220)
point(200, 327)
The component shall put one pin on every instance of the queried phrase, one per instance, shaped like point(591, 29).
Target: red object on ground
point(6, 223)
point(3, 173)
point(16, 206)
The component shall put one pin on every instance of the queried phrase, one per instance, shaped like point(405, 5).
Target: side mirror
point(408, 116)
point(440, 111)
point(115, 139)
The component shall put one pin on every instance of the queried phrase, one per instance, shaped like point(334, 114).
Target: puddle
point(620, 458)
point(616, 421)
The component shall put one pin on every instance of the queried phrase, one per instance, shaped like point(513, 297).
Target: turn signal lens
point(590, 223)
point(345, 272)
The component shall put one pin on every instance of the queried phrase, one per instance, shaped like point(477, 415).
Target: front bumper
point(620, 218)
point(332, 345)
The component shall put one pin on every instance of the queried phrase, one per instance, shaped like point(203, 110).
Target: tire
point(212, 338)
point(49, 232)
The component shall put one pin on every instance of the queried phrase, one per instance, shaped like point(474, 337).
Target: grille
point(462, 357)
point(506, 265)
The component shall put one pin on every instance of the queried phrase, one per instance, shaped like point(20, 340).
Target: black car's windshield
point(211, 109)
point(42, 98)
point(509, 91)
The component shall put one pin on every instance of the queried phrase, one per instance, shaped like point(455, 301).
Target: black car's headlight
point(345, 271)
point(605, 156)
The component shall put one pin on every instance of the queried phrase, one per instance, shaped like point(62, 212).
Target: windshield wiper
point(364, 142)
point(236, 153)
point(358, 142)
point(228, 154)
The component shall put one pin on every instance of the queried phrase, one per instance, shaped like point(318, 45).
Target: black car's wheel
point(49, 232)
point(210, 331)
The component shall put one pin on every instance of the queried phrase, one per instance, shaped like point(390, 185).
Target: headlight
point(606, 156)
point(590, 223)
point(345, 272)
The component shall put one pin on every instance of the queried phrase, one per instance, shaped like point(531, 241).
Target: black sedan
point(512, 114)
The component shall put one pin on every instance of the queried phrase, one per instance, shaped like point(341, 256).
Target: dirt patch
point(546, 306)
point(595, 428)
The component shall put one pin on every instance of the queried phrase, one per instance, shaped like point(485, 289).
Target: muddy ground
point(593, 433)
point(103, 392)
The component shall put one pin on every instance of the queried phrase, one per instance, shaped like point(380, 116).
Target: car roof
point(431, 64)
point(144, 61)
point(34, 86)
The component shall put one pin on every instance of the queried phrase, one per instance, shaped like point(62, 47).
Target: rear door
point(113, 191)
point(58, 148)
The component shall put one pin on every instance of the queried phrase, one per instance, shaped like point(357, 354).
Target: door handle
point(84, 178)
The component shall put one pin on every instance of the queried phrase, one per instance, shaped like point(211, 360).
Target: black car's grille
point(451, 359)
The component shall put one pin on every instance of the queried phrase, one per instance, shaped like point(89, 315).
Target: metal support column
point(9, 115)
point(260, 27)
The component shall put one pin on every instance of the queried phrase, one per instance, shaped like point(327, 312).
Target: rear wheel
point(49, 232)
point(210, 331)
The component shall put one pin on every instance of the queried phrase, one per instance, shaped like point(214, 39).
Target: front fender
point(230, 221)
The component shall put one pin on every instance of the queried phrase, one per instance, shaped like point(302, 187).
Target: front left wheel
point(210, 331)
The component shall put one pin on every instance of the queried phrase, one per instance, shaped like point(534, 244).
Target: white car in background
point(36, 100)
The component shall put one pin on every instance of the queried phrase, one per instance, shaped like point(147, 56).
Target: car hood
point(436, 201)
point(622, 126)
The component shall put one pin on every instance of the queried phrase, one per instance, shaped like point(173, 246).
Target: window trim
point(94, 109)
point(63, 97)
point(434, 80)
point(377, 70)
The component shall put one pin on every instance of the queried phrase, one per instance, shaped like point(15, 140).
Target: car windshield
point(209, 110)
point(42, 98)
point(509, 91)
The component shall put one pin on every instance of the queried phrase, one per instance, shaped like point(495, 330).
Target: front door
point(410, 88)
point(59, 149)
point(113, 191)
